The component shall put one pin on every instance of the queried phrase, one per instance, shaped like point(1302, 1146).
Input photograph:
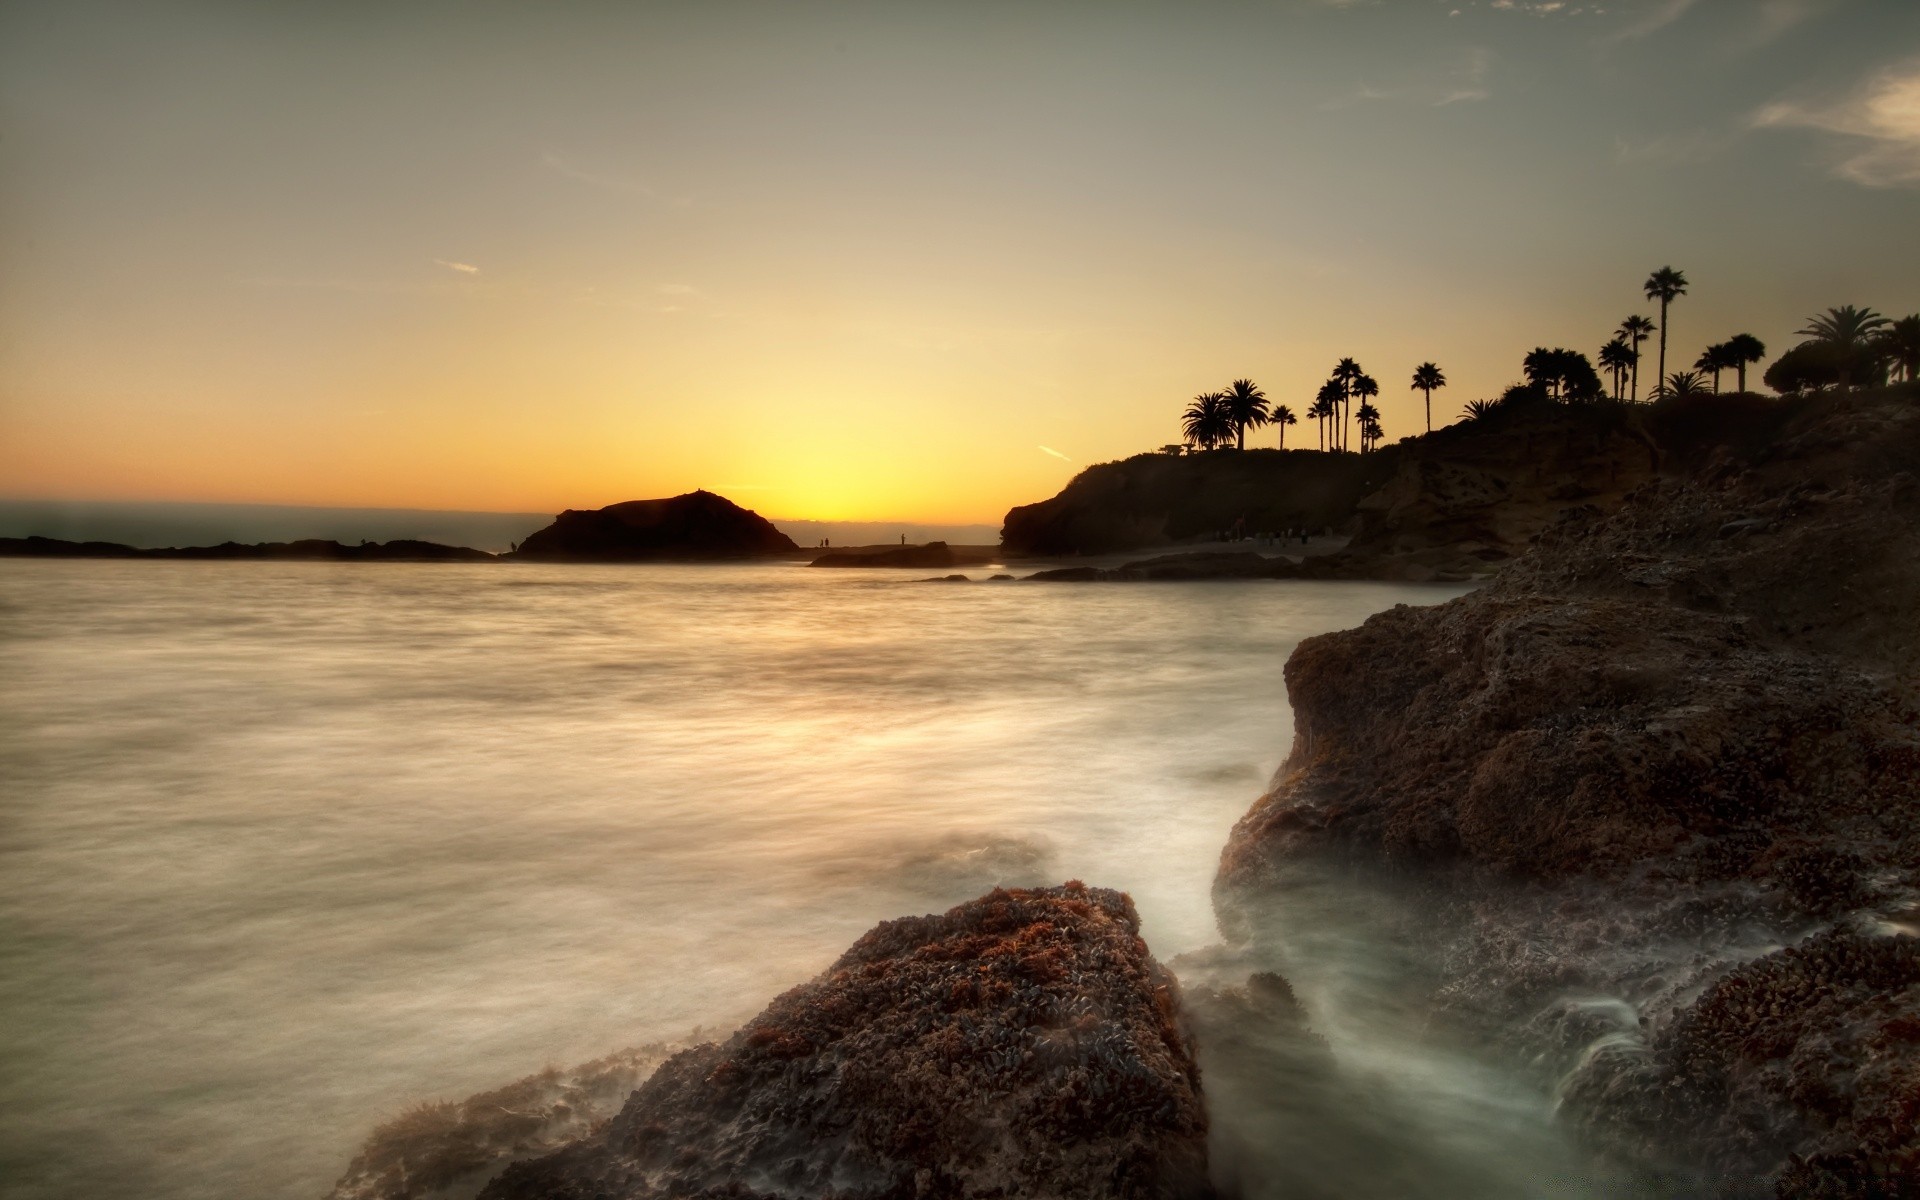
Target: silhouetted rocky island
point(306, 550)
point(1670, 760)
point(697, 526)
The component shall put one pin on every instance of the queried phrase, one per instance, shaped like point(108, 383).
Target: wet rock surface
point(1024, 1044)
point(1660, 783)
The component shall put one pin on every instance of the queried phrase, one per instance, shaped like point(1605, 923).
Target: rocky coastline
point(1643, 812)
point(1656, 793)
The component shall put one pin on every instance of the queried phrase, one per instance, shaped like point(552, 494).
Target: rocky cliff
point(1657, 790)
point(1024, 1044)
point(692, 527)
point(1451, 504)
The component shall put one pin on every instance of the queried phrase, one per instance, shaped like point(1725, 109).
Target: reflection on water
point(288, 847)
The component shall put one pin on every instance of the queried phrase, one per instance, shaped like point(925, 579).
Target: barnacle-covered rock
point(1023, 1044)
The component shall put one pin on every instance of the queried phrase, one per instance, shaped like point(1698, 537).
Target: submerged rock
point(1670, 760)
point(1024, 1044)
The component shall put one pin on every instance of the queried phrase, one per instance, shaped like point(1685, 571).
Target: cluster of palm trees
point(1217, 419)
point(1214, 420)
point(1847, 340)
point(1842, 342)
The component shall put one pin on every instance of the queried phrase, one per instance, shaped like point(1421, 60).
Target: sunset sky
point(909, 261)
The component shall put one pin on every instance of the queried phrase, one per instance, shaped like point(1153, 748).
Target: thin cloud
point(463, 268)
point(1879, 125)
point(558, 163)
point(1663, 14)
point(1056, 453)
point(1473, 85)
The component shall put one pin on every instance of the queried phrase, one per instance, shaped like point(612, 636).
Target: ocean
point(288, 847)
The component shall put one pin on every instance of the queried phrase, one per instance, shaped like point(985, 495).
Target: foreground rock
point(1660, 784)
point(697, 526)
point(306, 550)
point(444, 1150)
point(1024, 1044)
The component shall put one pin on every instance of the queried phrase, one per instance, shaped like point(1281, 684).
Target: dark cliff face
point(696, 526)
point(1154, 499)
point(1671, 756)
point(1024, 1044)
point(1468, 494)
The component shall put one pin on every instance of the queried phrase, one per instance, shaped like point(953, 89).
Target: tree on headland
point(1366, 390)
point(1207, 423)
point(1682, 384)
point(1846, 331)
point(1633, 331)
point(1617, 358)
point(1282, 416)
point(1713, 360)
point(1561, 374)
point(1665, 285)
point(1326, 406)
point(1345, 373)
point(1427, 377)
point(1742, 350)
point(1247, 406)
point(1479, 409)
point(1899, 344)
point(1370, 431)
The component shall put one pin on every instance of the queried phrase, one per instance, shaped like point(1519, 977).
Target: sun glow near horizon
point(877, 264)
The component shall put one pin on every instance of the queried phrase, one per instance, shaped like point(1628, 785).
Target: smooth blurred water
point(287, 847)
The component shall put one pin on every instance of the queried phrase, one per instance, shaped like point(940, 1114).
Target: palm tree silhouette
point(1427, 377)
point(1247, 405)
point(1207, 423)
point(1617, 358)
point(1328, 401)
point(1713, 360)
point(1744, 348)
point(1636, 330)
point(1345, 373)
point(1681, 384)
point(1900, 342)
point(1848, 330)
point(1665, 285)
point(1369, 417)
point(1282, 416)
point(1478, 409)
point(1366, 389)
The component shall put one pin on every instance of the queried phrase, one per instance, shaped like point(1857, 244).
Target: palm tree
point(1477, 409)
point(1282, 416)
point(1636, 330)
point(1328, 401)
point(1369, 426)
point(1681, 384)
point(1366, 389)
point(1541, 367)
point(1247, 405)
point(1847, 330)
point(1713, 360)
point(1345, 373)
point(1665, 285)
point(1427, 377)
point(1617, 358)
point(1207, 423)
point(1900, 342)
point(1744, 348)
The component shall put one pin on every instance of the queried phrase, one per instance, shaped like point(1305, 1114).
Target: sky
point(875, 262)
